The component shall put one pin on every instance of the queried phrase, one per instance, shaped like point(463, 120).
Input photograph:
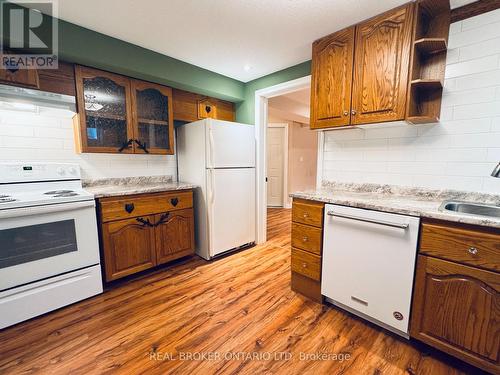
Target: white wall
point(48, 136)
point(461, 151)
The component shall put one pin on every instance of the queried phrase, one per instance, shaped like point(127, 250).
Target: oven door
point(45, 241)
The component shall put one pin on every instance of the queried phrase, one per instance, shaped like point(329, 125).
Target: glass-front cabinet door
point(152, 118)
point(104, 111)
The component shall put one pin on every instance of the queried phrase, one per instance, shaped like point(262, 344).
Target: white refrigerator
point(219, 157)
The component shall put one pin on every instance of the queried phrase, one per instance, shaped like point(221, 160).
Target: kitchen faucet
point(496, 171)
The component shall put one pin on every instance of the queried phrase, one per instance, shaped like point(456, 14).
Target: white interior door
point(275, 166)
point(231, 208)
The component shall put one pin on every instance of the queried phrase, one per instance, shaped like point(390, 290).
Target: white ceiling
point(225, 36)
point(293, 106)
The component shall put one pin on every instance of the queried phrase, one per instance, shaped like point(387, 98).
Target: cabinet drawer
point(308, 213)
point(145, 204)
point(306, 264)
point(467, 246)
point(306, 237)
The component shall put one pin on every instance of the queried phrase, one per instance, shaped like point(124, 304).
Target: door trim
point(287, 202)
point(261, 114)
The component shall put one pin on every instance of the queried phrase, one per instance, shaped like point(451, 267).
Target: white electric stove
point(49, 248)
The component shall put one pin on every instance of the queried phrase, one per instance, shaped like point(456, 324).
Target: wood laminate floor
point(235, 315)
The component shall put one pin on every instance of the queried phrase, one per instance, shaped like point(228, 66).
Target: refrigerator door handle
point(211, 144)
point(210, 211)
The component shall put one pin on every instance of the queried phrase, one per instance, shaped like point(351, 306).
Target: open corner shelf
point(430, 46)
point(422, 119)
point(427, 83)
point(428, 61)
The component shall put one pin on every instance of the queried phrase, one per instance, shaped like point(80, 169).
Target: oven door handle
point(45, 209)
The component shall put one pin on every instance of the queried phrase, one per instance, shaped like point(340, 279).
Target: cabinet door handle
point(305, 239)
point(142, 146)
point(126, 145)
point(346, 113)
point(208, 109)
point(163, 218)
point(144, 222)
point(174, 201)
point(353, 112)
point(472, 250)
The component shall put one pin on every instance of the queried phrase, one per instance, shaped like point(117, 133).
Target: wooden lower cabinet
point(307, 234)
point(134, 244)
point(175, 235)
point(456, 308)
point(128, 247)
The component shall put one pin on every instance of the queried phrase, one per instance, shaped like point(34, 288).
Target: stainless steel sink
point(469, 208)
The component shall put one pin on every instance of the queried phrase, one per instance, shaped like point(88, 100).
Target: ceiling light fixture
point(247, 68)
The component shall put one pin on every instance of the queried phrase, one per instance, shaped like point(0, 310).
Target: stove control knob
point(72, 171)
point(60, 171)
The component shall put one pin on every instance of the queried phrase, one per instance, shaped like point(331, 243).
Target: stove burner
point(62, 195)
point(53, 192)
point(4, 196)
point(7, 199)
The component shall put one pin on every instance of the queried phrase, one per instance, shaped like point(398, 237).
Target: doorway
point(262, 113)
point(277, 164)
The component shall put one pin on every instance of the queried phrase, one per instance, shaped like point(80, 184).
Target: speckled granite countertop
point(401, 200)
point(112, 187)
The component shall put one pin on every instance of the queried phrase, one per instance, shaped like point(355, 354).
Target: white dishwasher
point(369, 263)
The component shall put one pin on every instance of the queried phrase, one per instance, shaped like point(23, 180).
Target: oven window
point(34, 242)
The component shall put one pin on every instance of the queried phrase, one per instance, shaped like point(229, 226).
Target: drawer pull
point(306, 215)
point(304, 265)
point(359, 300)
point(305, 239)
point(174, 201)
point(129, 207)
point(472, 250)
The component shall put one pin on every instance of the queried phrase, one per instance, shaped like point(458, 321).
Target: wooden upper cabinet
point(152, 118)
point(191, 107)
point(382, 50)
point(117, 114)
point(332, 66)
point(456, 308)
point(20, 77)
point(104, 112)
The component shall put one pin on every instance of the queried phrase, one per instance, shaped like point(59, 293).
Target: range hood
point(13, 94)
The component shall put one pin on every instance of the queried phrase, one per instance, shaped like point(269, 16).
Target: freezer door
point(230, 144)
point(231, 202)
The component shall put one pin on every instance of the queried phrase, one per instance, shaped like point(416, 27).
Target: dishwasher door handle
point(366, 220)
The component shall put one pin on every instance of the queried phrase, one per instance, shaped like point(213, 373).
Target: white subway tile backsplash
point(486, 18)
point(493, 154)
point(480, 65)
point(475, 35)
point(473, 81)
point(473, 51)
point(47, 135)
point(457, 153)
point(480, 110)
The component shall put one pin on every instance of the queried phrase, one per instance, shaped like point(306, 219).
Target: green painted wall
point(245, 110)
point(87, 47)
point(84, 46)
